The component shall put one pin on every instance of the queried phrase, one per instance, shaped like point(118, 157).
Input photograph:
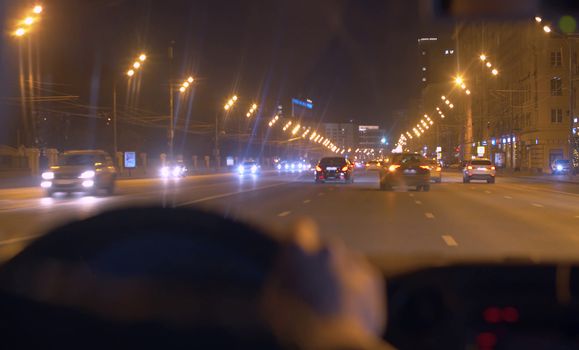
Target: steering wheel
point(153, 277)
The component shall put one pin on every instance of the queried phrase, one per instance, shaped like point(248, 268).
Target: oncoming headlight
point(253, 169)
point(89, 174)
point(48, 175)
point(165, 171)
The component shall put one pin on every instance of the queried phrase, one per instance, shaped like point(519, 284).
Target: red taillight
point(493, 167)
point(345, 168)
point(438, 168)
point(469, 167)
point(318, 168)
point(393, 167)
point(427, 167)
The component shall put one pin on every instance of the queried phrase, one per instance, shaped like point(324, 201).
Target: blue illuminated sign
point(307, 103)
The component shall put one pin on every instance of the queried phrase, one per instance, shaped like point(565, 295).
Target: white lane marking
point(508, 197)
point(284, 213)
point(429, 215)
point(449, 241)
point(411, 194)
point(307, 201)
point(229, 194)
point(418, 202)
point(488, 192)
point(19, 239)
point(537, 205)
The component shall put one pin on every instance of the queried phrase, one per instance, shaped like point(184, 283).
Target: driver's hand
point(322, 296)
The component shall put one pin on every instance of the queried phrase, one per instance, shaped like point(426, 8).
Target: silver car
point(81, 171)
point(479, 169)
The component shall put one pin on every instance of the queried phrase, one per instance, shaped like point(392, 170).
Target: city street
point(518, 218)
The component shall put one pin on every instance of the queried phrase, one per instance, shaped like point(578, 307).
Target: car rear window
point(336, 161)
point(481, 162)
point(562, 162)
point(407, 158)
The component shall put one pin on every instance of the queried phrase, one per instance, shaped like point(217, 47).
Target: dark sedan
point(334, 169)
point(406, 170)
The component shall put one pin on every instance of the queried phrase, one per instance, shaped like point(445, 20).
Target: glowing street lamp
point(136, 65)
point(28, 21)
point(190, 80)
point(130, 72)
point(458, 80)
point(538, 19)
point(37, 9)
point(495, 71)
point(547, 29)
point(142, 57)
point(483, 57)
point(19, 32)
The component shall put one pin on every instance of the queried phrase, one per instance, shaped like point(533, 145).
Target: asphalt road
point(515, 218)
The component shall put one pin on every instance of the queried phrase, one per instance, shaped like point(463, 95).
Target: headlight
point(279, 167)
point(89, 174)
point(241, 169)
point(300, 166)
point(176, 171)
point(559, 167)
point(287, 166)
point(165, 171)
point(254, 169)
point(49, 175)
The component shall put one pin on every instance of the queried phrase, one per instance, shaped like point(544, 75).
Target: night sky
point(354, 59)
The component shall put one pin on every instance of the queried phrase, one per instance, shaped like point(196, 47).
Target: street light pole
point(115, 138)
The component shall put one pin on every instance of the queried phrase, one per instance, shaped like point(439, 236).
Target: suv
point(334, 168)
point(81, 171)
point(479, 169)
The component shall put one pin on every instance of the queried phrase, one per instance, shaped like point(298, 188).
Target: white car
point(479, 169)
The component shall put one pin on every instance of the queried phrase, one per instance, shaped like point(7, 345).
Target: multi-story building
point(521, 113)
point(342, 135)
point(371, 137)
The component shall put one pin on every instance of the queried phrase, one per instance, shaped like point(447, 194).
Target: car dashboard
point(485, 306)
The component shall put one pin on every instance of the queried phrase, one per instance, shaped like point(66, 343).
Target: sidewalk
point(573, 179)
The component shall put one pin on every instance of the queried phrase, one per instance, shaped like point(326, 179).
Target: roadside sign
point(229, 161)
point(130, 159)
point(480, 150)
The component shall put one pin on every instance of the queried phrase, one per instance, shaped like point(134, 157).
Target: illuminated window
point(424, 69)
point(423, 79)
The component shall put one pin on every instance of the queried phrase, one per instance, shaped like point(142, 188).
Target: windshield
point(481, 162)
point(80, 159)
point(292, 88)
